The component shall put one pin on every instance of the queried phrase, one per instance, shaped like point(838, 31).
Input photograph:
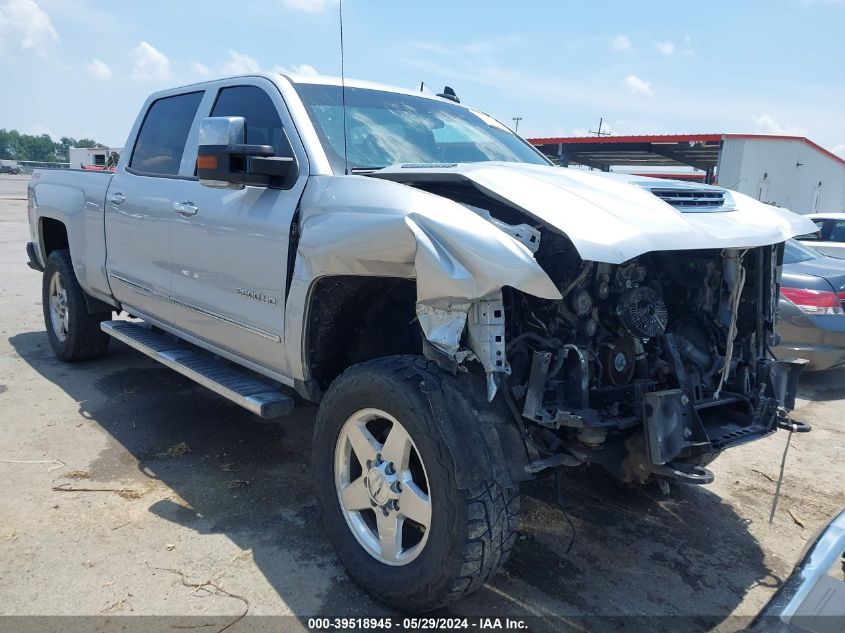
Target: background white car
point(830, 238)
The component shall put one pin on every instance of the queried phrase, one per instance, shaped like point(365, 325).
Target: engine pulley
point(619, 361)
point(581, 302)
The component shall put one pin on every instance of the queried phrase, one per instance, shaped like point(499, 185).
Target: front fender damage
point(460, 276)
point(460, 261)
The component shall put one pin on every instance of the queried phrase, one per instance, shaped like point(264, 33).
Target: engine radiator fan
point(643, 312)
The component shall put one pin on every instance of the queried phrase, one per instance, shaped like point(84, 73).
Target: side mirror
point(224, 160)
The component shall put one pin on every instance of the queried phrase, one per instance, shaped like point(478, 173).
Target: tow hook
point(791, 425)
point(684, 473)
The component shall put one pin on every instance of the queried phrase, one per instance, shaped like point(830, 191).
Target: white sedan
point(830, 238)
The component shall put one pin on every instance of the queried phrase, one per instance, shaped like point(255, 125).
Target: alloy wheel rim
point(382, 487)
point(59, 313)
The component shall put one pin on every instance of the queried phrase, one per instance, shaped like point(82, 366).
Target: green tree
point(17, 146)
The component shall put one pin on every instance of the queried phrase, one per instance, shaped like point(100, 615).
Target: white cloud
point(483, 48)
point(311, 6)
point(298, 69)
point(243, 64)
point(621, 43)
point(24, 22)
point(149, 63)
point(839, 150)
point(240, 64)
point(305, 69)
point(767, 124)
point(665, 48)
point(433, 47)
point(98, 69)
point(200, 69)
point(637, 86)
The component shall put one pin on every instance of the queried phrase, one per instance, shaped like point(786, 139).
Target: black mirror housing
point(239, 165)
point(224, 160)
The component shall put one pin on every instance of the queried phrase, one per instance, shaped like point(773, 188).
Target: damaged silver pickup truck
point(466, 314)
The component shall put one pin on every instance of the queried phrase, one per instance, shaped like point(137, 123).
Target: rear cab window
point(161, 140)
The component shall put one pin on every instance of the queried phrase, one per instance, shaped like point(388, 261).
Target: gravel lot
point(178, 481)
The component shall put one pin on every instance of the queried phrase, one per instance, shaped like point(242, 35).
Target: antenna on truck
point(343, 92)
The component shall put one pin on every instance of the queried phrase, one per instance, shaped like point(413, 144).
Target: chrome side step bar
point(260, 398)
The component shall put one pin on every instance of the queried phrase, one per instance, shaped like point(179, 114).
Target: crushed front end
point(651, 367)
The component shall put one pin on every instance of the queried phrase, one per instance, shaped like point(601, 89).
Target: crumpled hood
point(613, 217)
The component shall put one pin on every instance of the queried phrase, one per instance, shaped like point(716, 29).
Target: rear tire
point(74, 333)
point(470, 531)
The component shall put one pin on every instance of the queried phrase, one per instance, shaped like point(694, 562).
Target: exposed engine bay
point(649, 367)
point(639, 359)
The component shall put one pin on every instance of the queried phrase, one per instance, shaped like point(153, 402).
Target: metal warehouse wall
point(785, 172)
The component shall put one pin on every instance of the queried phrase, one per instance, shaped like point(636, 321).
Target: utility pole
point(599, 132)
point(516, 121)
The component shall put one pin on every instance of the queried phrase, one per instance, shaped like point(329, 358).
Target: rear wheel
point(387, 487)
point(74, 333)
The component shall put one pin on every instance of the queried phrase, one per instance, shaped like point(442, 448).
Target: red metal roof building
point(790, 171)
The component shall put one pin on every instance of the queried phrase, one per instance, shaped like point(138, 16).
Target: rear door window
point(161, 140)
point(263, 125)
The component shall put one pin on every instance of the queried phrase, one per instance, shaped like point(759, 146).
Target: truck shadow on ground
point(615, 552)
point(820, 386)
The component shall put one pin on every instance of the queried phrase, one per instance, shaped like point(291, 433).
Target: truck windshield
point(386, 128)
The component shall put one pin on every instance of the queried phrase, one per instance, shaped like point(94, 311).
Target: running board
point(252, 394)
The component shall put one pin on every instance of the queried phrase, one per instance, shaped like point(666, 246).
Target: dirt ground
point(177, 487)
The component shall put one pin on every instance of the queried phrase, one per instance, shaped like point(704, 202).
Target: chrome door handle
point(118, 198)
point(185, 209)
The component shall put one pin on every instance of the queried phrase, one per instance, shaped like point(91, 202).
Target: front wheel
point(387, 487)
point(74, 333)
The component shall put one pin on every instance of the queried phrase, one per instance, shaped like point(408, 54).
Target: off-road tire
point(85, 340)
point(472, 530)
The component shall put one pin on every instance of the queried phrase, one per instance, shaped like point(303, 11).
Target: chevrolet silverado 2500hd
point(466, 314)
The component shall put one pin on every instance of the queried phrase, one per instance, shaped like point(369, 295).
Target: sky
point(83, 68)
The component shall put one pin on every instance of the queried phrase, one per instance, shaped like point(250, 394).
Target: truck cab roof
point(324, 80)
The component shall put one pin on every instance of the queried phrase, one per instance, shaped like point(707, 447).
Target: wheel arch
point(52, 236)
point(350, 319)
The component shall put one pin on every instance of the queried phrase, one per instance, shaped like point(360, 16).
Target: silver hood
point(612, 217)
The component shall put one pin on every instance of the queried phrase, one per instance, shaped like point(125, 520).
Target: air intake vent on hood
point(692, 199)
point(679, 198)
